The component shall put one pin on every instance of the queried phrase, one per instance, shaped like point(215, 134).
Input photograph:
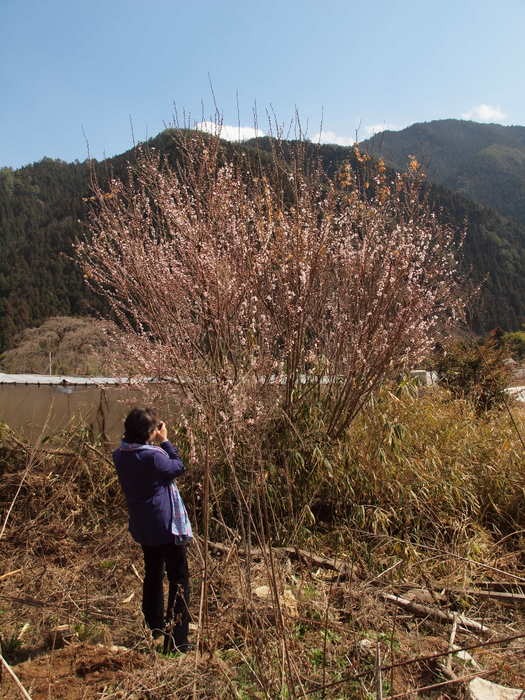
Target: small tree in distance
point(260, 283)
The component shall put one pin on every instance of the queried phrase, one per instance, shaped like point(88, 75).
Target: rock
point(421, 595)
point(367, 647)
point(263, 592)
point(467, 658)
point(481, 689)
point(287, 599)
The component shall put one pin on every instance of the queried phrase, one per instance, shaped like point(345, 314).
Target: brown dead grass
point(77, 595)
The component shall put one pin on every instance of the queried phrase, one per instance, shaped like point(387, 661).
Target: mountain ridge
point(43, 210)
point(484, 162)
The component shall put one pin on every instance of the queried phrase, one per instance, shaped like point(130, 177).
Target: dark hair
point(139, 424)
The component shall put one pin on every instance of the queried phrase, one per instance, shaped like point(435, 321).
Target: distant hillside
point(64, 345)
point(40, 206)
point(483, 162)
point(43, 207)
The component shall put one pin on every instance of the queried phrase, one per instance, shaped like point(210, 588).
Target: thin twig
point(378, 674)
point(10, 573)
point(13, 675)
point(380, 575)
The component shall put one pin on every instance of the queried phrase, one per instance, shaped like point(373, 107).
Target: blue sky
point(68, 66)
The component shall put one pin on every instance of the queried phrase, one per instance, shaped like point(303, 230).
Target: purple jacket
point(145, 477)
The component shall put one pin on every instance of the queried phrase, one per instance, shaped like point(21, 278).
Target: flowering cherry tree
point(236, 280)
point(278, 298)
point(263, 288)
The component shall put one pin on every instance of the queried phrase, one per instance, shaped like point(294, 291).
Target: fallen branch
point(27, 601)
point(504, 586)
point(59, 606)
point(493, 595)
point(504, 596)
point(61, 453)
point(39, 448)
point(331, 563)
point(100, 454)
point(342, 568)
point(442, 615)
point(417, 659)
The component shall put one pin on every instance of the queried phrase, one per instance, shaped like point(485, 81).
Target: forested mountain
point(40, 206)
point(43, 207)
point(484, 162)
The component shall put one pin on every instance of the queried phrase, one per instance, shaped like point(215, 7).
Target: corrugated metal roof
point(63, 380)
point(518, 392)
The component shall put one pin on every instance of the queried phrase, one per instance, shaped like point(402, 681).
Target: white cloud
point(229, 133)
point(372, 129)
point(332, 137)
point(485, 113)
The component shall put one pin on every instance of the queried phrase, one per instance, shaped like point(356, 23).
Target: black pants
point(171, 557)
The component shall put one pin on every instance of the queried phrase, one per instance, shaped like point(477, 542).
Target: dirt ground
point(86, 639)
point(75, 672)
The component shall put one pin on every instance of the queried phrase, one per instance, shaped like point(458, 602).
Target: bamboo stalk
point(451, 641)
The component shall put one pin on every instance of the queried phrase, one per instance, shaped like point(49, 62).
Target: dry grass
point(424, 500)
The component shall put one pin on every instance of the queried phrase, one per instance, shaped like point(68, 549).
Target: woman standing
point(158, 521)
